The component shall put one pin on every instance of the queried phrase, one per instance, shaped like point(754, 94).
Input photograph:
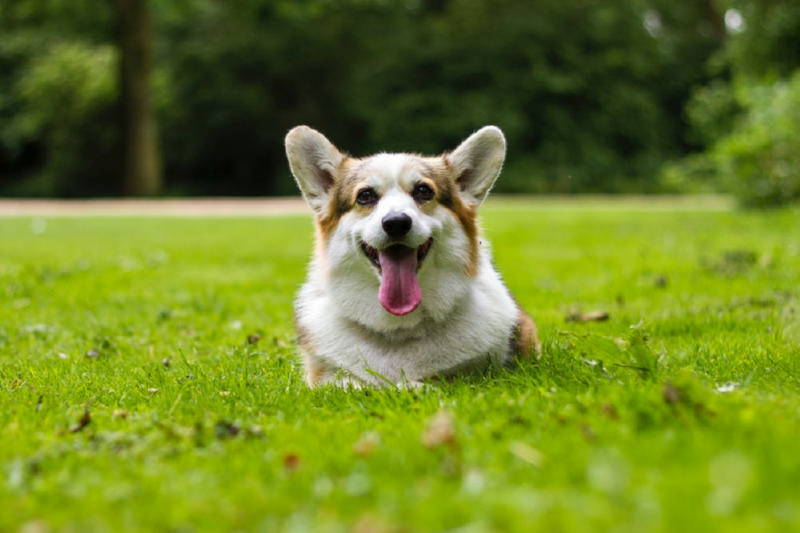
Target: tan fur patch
point(341, 197)
point(303, 338)
point(315, 374)
point(449, 196)
point(525, 340)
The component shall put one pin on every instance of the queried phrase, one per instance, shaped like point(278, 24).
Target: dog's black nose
point(396, 225)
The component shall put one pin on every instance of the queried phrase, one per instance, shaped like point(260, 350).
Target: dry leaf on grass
point(84, 421)
point(525, 452)
point(34, 526)
point(291, 462)
point(671, 394)
point(367, 443)
point(592, 316)
point(440, 431)
point(226, 430)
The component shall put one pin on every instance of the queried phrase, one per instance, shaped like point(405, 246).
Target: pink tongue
point(400, 292)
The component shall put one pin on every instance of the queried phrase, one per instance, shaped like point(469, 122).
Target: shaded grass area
point(149, 382)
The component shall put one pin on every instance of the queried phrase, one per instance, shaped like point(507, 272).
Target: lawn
point(149, 381)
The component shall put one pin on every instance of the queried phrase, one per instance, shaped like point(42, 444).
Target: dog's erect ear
point(477, 162)
point(313, 160)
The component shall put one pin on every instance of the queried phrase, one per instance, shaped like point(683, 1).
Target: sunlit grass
point(149, 382)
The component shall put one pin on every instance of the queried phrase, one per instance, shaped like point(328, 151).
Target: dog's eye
point(367, 197)
point(422, 193)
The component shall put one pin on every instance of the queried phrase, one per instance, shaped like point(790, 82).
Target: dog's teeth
point(422, 251)
point(371, 253)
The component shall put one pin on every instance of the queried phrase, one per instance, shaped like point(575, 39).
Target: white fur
point(463, 322)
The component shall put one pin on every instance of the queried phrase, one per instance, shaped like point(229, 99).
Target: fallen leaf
point(34, 526)
point(225, 430)
point(84, 421)
point(120, 413)
point(727, 387)
point(440, 431)
point(731, 263)
point(371, 524)
point(671, 394)
point(367, 443)
point(278, 343)
point(291, 462)
point(592, 316)
point(255, 431)
point(525, 452)
point(610, 411)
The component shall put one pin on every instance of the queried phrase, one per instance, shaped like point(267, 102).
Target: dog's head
point(403, 222)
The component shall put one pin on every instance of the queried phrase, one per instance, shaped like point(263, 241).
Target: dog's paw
point(347, 383)
point(414, 385)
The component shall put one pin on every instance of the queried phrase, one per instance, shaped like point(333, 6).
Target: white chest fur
point(449, 333)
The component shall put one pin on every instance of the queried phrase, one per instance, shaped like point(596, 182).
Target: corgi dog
point(401, 288)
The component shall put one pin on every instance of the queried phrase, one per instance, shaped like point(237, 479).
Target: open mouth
point(400, 292)
point(395, 250)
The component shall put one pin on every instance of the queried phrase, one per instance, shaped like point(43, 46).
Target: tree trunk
point(141, 162)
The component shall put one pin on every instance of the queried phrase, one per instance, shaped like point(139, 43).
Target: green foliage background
point(747, 118)
point(593, 96)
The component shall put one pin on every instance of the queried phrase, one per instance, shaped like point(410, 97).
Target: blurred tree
point(141, 163)
point(688, 33)
point(589, 99)
point(595, 109)
point(764, 38)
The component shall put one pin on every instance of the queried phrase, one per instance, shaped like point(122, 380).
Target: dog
point(401, 288)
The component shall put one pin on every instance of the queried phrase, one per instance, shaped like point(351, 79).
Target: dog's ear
point(313, 160)
point(477, 162)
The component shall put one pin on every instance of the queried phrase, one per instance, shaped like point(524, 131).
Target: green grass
point(173, 339)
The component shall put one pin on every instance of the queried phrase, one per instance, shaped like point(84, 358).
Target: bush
point(694, 174)
point(759, 160)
